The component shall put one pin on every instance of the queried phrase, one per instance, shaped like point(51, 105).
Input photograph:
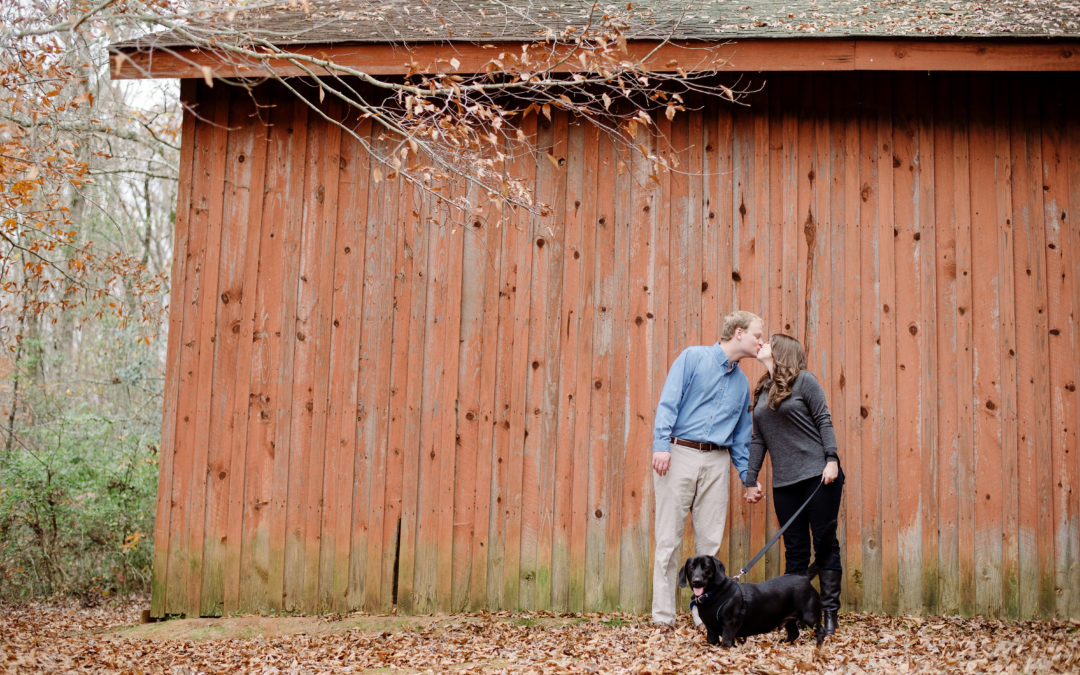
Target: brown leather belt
point(698, 445)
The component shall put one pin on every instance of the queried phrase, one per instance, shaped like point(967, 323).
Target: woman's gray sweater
point(798, 435)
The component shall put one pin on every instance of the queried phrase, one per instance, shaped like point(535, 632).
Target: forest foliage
point(87, 194)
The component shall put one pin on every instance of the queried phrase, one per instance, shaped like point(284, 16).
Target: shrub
point(78, 482)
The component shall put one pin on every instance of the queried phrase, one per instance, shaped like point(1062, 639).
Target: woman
point(792, 423)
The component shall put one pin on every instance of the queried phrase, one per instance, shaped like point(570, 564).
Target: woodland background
point(87, 194)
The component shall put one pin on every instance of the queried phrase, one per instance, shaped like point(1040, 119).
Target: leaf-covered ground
point(67, 638)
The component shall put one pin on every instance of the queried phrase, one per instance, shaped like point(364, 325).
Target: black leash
point(776, 536)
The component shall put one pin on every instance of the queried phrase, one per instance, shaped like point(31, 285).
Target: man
point(702, 421)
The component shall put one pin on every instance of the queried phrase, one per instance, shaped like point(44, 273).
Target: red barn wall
point(370, 402)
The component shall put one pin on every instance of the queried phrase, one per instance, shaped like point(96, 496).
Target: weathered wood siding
point(367, 403)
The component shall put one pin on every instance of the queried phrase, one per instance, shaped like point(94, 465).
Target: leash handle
point(779, 532)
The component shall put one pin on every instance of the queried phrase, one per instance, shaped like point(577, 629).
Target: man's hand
point(753, 495)
point(660, 462)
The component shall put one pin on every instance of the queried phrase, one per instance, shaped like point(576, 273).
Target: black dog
point(731, 609)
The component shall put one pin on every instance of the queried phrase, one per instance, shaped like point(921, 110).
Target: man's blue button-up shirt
point(706, 398)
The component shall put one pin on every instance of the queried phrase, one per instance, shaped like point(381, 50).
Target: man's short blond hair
point(740, 318)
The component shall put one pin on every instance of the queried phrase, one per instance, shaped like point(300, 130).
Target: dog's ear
point(683, 573)
point(718, 568)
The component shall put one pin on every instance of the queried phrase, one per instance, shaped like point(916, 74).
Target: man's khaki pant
point(697, 483)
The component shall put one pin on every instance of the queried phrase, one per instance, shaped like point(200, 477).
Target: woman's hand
point(832, 470)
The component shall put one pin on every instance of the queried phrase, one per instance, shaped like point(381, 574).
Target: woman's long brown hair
point(789, 358)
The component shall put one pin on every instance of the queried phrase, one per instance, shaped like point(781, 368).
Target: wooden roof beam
point(771, 54)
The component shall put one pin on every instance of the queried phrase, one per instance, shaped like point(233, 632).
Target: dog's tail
point(826, 551)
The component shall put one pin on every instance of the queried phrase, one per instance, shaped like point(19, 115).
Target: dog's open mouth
point(698, 591)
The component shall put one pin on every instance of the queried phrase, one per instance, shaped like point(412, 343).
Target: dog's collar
point(700, 600)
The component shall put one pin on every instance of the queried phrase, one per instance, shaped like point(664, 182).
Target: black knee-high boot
point(830, 598)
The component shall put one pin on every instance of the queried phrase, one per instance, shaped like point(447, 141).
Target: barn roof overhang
point(386, 37)
point(747, 55)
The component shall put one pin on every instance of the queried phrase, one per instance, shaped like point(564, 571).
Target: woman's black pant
point(816, 523)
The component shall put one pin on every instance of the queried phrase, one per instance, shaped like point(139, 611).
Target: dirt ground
point(67, 638)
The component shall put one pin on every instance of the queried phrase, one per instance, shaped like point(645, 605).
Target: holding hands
point(753, 495)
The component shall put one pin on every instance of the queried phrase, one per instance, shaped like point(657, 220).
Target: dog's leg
point(712, 635)
point(792, 627)
point(729, 636)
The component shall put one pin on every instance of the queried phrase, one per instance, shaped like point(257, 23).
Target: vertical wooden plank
point(1045, 249)
point(575, 335)
point(317, 281)
point(586, 309)
point(207, 496)
point(626, 469)
point(802, 274)
point(534, 583)
point(286, 572)
point(244, 171)
point(468, 484)
point(817, 231)
point(641, 220)
point(442, 447)
point(341, 554)
point(788, 319)
point(193, 412)
point(987, 297)
point(928, 334)
point(719, 241)
point(597, 592)
point(685, 284)
point(965, 368)
point(1070, 534)
point(424, 549)
point(380, 461)
point(553, 347)
point(239, 535)
point(711, 227)
point(163, 538)
point(887, 354)
point(483, 251)
point(474, 417)
point(500, 439)
point(868, 480)
point(305, 458)
point(449, 396)
point(407, 393)
point(1062, 316)
point(951, 344)
point(519, 243)
point(1007, 329)
point(567, 141)
point(1032, 350)
point(852, 457)
point(906, 176)
point(256, 558)
point(229, 247)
